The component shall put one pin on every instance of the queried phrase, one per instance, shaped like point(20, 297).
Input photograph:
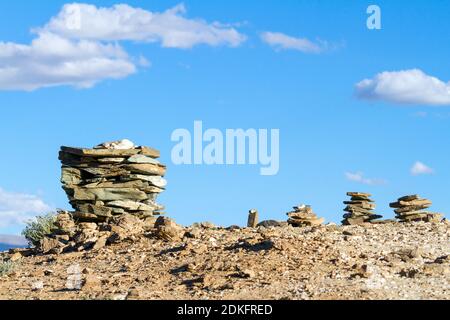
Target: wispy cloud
point(420, 114)
point(16, 208)
point(405, 87)
point(419, 168)
point(281, 41)
point(436, 115)
point(359, 177)
point(123, 22)
point(79, 46)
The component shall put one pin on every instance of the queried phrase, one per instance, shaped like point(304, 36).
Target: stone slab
point(108, 194)
point(153, 153)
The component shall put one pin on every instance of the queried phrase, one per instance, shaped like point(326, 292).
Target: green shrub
point(6, 267)
point(37, 229)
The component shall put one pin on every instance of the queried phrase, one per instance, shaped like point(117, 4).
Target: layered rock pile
point(112, 179)
point(113, 189)
point(359, 209)
point(303, 216)
point(411, 208)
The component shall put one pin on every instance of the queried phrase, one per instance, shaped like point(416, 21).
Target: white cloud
point(419, 168)
point(405, 87)
point(51, 60)
point(359, 177)
point(282, 41)
point(144, 62)
point(79, 47)
point(123, 22)
point(16, 208)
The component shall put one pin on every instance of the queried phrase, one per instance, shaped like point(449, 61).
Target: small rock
point(168, 230)
point(436, 269)
point(362, 271)
point(101, 242)
point(200, 249)
point(407, 254)
point(123, 144)
point(92, 282)
point(247, 273)
point(87, 271)
point(15, 257)
point(206, 280)
point(49, 245)
point(119, 296)
point(443, 259)
point(48, 272)
point(194, 233)
point(270, 223)
point(409, 273)
point(37, 286)
point(133, 294)
point(208, 225)
point(74, 278)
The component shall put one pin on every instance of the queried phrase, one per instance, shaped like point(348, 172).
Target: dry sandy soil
point(385, 261)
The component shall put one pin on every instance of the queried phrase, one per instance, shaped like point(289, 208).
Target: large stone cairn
point(112, 179)
point(411, 208)
point(303, 216)
point(359, 209)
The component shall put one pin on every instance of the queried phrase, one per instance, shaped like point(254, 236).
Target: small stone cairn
point(303, 216)
point(253, 218)
point(359, 209)
point(411, 208)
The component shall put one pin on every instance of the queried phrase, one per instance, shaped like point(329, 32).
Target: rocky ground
point(375, 261)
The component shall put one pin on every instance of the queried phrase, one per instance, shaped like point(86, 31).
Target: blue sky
point(326, 129)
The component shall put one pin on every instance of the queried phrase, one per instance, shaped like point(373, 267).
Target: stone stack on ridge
point(411, 208)
point(303, 216)
point(359, 209)
point(112, 179)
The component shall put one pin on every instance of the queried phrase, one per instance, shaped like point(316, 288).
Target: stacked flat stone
point(359, 209)
point(411, 208)
point(112, 179)
point(303, 216)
